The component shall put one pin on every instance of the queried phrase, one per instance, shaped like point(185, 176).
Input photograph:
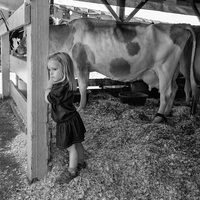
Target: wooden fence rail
point(34, 15)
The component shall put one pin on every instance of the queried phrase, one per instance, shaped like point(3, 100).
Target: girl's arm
point(48, 90)
point(47, 93)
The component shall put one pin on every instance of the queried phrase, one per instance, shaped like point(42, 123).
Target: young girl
point(70, 129)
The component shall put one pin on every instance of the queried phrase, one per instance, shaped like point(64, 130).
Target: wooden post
point(37, 53)
point(51, 7)
point(121, 9)
point(5, 63)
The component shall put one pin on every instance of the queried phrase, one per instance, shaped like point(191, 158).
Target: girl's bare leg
point(73, 158)
point(81, 152)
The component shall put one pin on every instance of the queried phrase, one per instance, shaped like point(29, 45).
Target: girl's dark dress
point(70, 128)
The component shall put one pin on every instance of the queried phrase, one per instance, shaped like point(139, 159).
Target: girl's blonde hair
point(68, 68)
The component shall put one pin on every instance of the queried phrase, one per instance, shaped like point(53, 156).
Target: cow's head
point(15, 38)
point(18, 39)
point(21, 49)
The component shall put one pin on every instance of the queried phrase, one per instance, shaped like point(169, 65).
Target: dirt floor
point(128, 157)
point(12, 141)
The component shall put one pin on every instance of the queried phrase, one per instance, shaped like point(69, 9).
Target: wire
point(4, 20)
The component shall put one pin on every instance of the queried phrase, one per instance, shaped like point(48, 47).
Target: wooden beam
point(10, 4)
point(19, 67)
point(19, 100)
point(37, 53)
point(19, 18)
point(5, 64)
point(196, 11)
point(139, 6)
point(121, 4)
point(105, 2)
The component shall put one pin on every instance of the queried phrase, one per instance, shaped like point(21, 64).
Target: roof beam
point(121, 4)
point(105, 2)
point(195, 9)
point(138, 7)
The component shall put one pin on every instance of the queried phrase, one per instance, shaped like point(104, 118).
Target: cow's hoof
point(159, 118)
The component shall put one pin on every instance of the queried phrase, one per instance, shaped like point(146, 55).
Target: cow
point(15, 37)
point(18, 37)
point(185, 61)
point(126, 52)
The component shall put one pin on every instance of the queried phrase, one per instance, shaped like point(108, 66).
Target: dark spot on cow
point(176, 34)
point(89, 26)
point(83, 56)
point(133, 48)
point(80, 55)
point(119, 67)
point(124, 33)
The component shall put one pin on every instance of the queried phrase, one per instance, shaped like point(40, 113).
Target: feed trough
point(140, 86)
point(133, 98)
point(114, 90)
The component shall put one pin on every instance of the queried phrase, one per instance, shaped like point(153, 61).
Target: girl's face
point(55, 70)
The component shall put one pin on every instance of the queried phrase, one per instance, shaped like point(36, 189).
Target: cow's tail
point(194, 87)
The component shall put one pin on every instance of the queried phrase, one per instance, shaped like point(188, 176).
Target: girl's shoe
point(66, 177)
point(81, 166)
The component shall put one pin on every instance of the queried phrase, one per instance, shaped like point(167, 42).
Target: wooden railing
point(34, 15)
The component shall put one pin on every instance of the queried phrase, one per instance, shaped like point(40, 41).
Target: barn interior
point(148, 11)
point(128, 156)
point(115, 10)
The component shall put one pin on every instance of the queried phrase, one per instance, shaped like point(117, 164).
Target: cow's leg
point(82, 65)
point(174, 88)
point(171, 99)
point(185, 70)
point(165, 89)
point(160, 117)
point(83, 79)
point(187, 89)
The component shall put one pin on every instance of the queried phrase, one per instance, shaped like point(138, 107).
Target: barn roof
point(172, 6)
point(185, 7)
point(150, 11)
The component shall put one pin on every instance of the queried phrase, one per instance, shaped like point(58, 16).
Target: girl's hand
point(50, 83)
